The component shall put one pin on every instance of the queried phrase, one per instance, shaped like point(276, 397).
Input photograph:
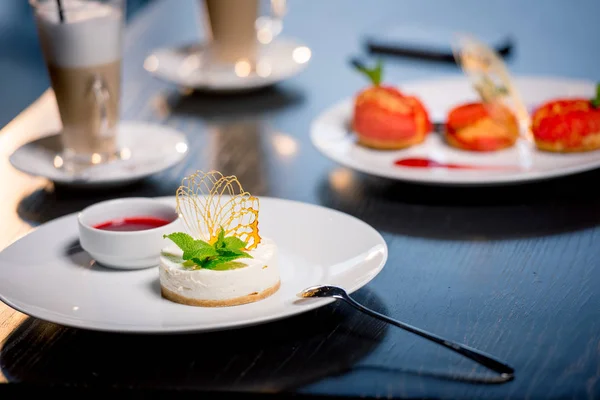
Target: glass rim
point(39, 4)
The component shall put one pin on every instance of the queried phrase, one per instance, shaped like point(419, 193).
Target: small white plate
point(148, 149)
point(330, 135)
point(277, 61)
point(59, 282)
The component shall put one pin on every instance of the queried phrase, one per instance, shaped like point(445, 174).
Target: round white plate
point(330, 135)
point(277, 61)
point(147, 149)
point(59, 282)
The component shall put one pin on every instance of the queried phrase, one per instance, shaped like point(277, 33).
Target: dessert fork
point(506, 372)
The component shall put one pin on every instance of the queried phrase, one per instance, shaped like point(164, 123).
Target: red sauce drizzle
point(427, 163)
point(132, 224)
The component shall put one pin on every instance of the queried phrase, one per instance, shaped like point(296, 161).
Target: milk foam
point(90, 34)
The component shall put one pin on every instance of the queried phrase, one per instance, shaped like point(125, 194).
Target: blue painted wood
point(512, 270)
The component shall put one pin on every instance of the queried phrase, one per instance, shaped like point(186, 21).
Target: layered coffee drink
point(81, 43)
point(231, 28)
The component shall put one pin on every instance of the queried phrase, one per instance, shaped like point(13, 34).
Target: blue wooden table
point(513, 271)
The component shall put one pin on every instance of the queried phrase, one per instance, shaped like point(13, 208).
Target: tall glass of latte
point(231, 27)
point(81, 42)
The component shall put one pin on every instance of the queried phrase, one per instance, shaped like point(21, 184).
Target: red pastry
point(385, 118)
point(481, 127)
point(567, 125)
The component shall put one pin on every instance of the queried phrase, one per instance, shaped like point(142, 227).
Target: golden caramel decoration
point(491, 78)
point(207, 202)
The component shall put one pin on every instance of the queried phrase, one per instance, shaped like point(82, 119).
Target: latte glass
point(236, 28)
point(81, 42)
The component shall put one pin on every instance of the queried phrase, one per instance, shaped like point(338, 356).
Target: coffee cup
point(81, 43)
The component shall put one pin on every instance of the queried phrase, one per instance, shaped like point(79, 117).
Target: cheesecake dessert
point(385, 118)
point(567, 125)
point(221, 259)
point(232, 283)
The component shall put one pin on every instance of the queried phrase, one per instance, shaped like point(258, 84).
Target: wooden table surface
point(513, 270)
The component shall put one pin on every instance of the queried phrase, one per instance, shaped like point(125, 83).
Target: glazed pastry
point(495, 120)
point(481, 127)
point(567, 125)
point(384, 118)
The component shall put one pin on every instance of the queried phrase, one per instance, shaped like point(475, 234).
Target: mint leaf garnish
point(220, 239)
point(204, 255)
point(201, 253)
point(215, 262)
point(596, 100)
point(234, 253)
point(182, 240)
point(374, 74)
point(234, 243)
point(177, 259)
point(192, 248)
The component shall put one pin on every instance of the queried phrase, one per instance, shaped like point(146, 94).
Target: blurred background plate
point(277, 61)
point(331, 135)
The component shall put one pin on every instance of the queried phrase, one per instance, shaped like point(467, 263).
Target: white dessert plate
point(145, 149)
point(185, 66)
point(331, 136)
point(59, 282)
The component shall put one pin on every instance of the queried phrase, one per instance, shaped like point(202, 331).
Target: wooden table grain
point(510, 270)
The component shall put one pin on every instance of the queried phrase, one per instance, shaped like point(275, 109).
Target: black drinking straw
point(60, 11)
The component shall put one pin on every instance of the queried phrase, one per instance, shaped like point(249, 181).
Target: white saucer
point(277, 61)
point(150, 148)
point(330, 135)
point(59, 282)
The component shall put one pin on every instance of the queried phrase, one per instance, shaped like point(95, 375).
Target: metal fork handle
point(506, 371)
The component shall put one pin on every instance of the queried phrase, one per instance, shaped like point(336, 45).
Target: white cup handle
point(278, 9)
point(273, 21)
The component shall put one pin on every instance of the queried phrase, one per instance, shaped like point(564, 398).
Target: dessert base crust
point(590, 143)
point(177, 298)
point(379, 144)
point(452, 141)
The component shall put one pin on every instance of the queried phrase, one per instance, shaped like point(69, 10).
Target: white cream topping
point(90, 34)
point(261, 272)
